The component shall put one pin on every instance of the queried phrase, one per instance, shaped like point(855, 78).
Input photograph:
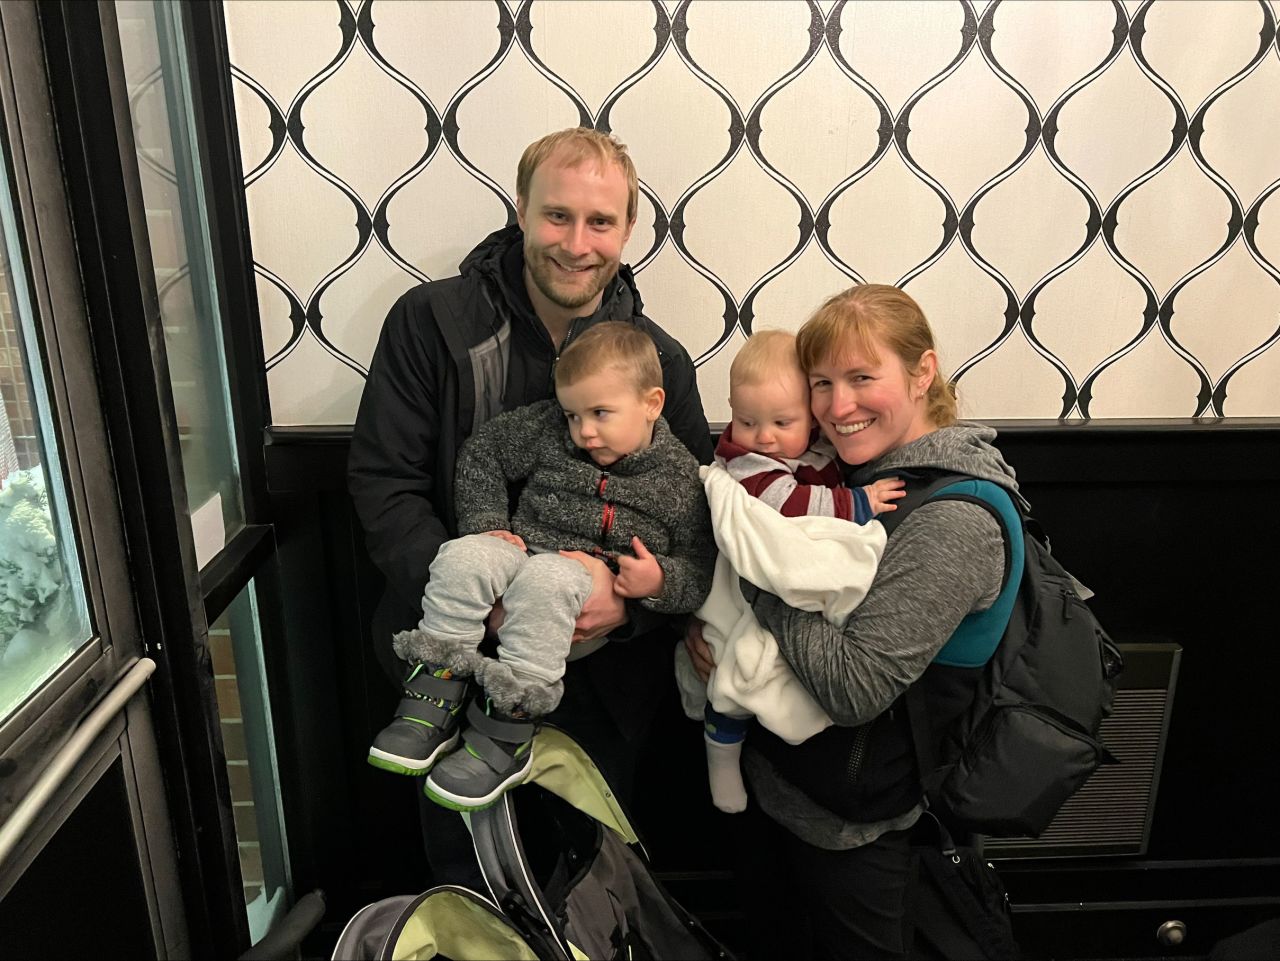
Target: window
point(43, 615)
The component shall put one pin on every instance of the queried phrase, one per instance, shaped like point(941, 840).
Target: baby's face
point(772, 417)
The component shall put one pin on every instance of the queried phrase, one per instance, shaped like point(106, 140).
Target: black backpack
point(1029, 738)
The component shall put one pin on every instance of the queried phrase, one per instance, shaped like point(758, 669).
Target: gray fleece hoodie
point(944, 561)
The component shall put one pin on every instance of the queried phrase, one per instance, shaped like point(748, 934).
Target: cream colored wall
point(1084, 196)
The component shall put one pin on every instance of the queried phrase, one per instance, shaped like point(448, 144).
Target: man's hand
point(639, 576)
point(699, 650)
point(493, 623)
point(509, 537)
point(604, 611)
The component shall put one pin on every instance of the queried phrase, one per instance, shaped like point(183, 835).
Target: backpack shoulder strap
point(978, 634)
point(928, 484)
point(922, 485)
point(975, 639)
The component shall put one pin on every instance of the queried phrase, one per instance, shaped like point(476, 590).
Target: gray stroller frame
point(599, 899)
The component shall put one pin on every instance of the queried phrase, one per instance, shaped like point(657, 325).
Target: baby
point(602, 474)
point(771, 448)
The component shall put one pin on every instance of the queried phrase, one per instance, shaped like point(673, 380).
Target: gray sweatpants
point(542, 595)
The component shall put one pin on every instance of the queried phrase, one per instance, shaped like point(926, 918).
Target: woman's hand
point(604, 611)
point(699, 650)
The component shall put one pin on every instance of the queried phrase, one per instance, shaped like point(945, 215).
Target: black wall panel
point(1173, 525)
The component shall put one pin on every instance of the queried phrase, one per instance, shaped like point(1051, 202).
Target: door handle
point(69, 755)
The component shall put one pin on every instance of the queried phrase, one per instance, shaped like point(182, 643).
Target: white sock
point(724, 771)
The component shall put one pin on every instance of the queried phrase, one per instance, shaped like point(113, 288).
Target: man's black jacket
point(452, 354)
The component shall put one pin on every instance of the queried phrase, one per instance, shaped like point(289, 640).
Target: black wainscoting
point(1172, 523)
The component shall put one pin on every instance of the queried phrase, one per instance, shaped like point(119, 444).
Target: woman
point(825, 843)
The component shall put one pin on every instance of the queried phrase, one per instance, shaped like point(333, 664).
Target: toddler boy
point(602, 474)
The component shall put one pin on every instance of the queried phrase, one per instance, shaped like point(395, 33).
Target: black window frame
point(175, 602)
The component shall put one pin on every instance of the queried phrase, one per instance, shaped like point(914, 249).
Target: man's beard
point(543, 273)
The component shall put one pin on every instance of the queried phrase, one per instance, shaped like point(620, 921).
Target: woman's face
point(867, 409)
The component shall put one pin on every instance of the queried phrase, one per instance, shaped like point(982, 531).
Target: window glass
point(43, 615)
point(244, 711)
point(173, 194)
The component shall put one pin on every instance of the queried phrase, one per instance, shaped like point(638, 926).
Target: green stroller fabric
point(446, 922)
point(561, 857)
point(567, 878)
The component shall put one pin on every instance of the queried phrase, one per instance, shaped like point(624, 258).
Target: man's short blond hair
point(612, 344)
point(768, 355)
point(576, 146)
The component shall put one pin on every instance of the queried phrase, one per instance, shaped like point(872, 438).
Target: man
point(455, 352)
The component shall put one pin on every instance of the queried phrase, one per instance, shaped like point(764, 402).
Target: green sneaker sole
point(455, 806)
point(393, 767)
point(410, 766)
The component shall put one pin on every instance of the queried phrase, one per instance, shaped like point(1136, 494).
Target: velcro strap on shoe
point(484, 748)
point(451, 689)
point(420, 710)
point(516, 732)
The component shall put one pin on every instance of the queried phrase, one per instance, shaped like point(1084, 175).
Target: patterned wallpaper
point(1084, 196)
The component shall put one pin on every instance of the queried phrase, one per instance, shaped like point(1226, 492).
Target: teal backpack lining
point(976, 637)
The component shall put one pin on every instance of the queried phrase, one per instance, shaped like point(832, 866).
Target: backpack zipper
point(853, 768)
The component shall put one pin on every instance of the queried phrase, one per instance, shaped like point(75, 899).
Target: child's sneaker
point(426, 724)
point(497, 755)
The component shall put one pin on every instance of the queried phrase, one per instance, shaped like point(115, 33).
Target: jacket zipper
point(607, 511)
point(568, 339)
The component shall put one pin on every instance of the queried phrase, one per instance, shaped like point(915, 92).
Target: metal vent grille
point(1111, 814)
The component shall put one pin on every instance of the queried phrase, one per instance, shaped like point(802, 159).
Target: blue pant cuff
point(724, 729)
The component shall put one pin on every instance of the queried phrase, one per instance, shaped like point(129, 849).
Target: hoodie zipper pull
point(568, 338)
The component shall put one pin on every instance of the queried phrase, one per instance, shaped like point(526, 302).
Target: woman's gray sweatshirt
point(944, 561)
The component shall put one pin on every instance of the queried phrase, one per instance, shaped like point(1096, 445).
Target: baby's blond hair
point(766, 356)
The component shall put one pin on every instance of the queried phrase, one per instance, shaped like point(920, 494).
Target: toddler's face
point(772, 417)
point(608, 417)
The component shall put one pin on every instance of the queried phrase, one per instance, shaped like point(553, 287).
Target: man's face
point(575, 226)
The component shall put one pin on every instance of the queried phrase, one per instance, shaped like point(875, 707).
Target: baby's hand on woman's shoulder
point(882, 494)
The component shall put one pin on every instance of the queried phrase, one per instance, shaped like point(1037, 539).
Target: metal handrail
point(65, 761)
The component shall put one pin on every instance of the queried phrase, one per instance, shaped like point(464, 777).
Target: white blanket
point(820, 564)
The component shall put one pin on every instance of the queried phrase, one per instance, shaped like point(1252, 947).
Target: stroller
point(577, 886)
